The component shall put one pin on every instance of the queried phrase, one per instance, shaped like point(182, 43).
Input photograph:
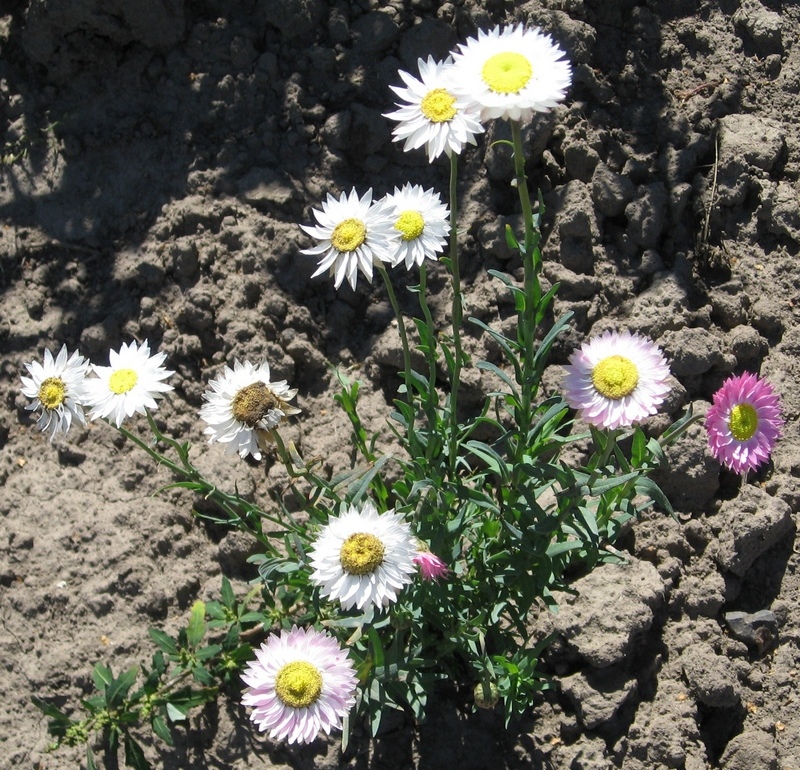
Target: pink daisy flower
point(616, 380)
point(744, 422)
point(431, 567)
point(300, 683)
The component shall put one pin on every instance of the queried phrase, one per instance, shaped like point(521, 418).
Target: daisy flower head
point(243, 407)
point(353, 233)
point(57, 387)
point(362, 557)
point(744, 422)
point(512, 72)
point(422, 224)
point(301, 682)
point(432, 114)
point(431, 567)
point(616, 380)
point(132, 383)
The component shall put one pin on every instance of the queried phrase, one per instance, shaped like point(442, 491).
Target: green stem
point(297, 468)
point(401, 328)
point(432, 401)
point(456, 315)
point(187, 472)
point(531, 263)
point(611, 442)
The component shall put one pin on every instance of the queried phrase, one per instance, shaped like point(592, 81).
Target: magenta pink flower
point(616, 380)
point(431, 567)
point(744, 422)
point(300, 683)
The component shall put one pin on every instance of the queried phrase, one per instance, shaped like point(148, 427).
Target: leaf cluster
point(185, 671)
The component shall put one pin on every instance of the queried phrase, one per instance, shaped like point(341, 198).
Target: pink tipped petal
point(334, 700)
point(607, 412)
point(431, 567)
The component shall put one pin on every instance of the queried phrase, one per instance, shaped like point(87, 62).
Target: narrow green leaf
point(345, 732)
point(164, 641)
point(656, 450)
point(119, 688)
point(543, 349)
point(134, 756)
point(511, 348)
point(638, 445)
point(511, 240)
point(228, 599)
point(217, 612)
point(202, 675)
point(544, 302)
point(498, 372)
point(377, 647)
point(377, 702)
point(358, 489)
point(503, 277)
point(159, 725)
point(648, 487)
point(94, 704)
point(589, 520)
point(550, 420)
point(90, 763)
point(601, 486)
point(48, 709)
point(102, 676)
point(677, 429)
point(186, 699)
point(196, 629)
point(204, 653)
point(231, 640)
point(495, 462)
point(449, 358)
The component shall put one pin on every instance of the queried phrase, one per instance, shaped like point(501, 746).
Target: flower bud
point(486, 695)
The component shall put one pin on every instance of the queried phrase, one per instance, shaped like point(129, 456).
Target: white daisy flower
point(353, 233)
point(244, 407)
point(422, 223)
point(432, 114)
point(362, 556)
point(57, 388)
point(301, 682)
point(132, 383)
point(511, 72)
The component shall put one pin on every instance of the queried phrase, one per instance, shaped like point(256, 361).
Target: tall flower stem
point(531, 264)
point(432, 401)
point(457, 314)
point(401, 328)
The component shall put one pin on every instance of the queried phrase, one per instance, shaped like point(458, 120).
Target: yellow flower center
point(253, 402)
point(52, 392)
point(410, 224)
point(122, 381)
point(298, 684)
point(361, 554)
point(438, 106)
point(349, 235)
point(615, 377)
point(743, 422)
point(507, 72)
